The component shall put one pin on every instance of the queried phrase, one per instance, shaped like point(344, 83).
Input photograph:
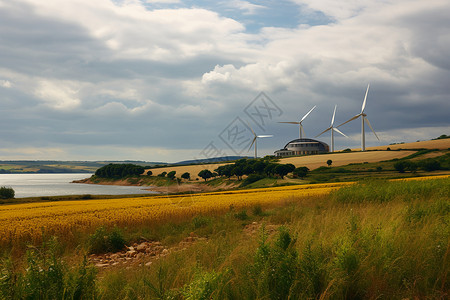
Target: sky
point(172, 80)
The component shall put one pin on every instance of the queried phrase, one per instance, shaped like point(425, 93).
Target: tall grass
point(373, 240)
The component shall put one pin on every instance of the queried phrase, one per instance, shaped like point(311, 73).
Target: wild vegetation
point(375, 239)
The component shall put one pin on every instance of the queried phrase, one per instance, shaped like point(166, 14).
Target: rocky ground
point(144, 253)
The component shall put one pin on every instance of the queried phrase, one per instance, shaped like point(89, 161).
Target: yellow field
point(442, 144)
point(24, 222)
point(341, 159)
point(21, 223)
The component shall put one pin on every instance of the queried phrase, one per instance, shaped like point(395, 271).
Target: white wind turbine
point(256, 137)
point(332, 129)
point(363, 119)
point(300, 122)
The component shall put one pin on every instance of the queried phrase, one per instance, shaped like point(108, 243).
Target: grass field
point(371, 240)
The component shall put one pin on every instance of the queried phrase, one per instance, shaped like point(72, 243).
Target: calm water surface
point(36, 185)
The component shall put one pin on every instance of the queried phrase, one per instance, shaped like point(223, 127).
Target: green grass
point(372, 240)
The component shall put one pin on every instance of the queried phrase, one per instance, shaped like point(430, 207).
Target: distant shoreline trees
point(117, 171)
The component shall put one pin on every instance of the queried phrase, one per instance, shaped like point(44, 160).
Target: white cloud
point(5, 83)
point(246, 6)
point(59, 94)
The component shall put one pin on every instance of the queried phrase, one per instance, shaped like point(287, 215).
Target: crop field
point(441, 144)
point(375, 239)
point(26, 222)
point(341, 159)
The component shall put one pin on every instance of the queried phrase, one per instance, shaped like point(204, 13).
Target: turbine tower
point(300, 122)
point(255, 140)
point(363, 119)
point(332, 129)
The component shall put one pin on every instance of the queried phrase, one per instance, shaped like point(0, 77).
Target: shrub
point(242, 215)
point(103, 241)
point(149, 173)
point(163, 174)
point(252, 178)
point(7, 192)
point(186, 175)
point(275, 267)
point(201, 221)
point(46, 276)
point(257, 210)
point(300, 172)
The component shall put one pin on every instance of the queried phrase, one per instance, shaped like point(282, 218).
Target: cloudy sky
point(169, 80)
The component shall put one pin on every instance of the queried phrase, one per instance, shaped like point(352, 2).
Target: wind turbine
point(300, 122)
point(363, 119)
point(333, 129)
point(255, 140)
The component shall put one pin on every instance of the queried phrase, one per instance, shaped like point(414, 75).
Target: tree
point(400, 166)
point(117, 171)
point(149, 173)
point(430, 165)
point(163, 174)
point(282, 170)
point(7, 192)
point(300, 172)
point(290, 167)
point(205, 174)
point(329, 162)
point(186, 176)
point(171, 174)
point(270, 169)
point(238, 170)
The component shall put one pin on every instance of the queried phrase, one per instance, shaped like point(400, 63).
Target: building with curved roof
point(303, 146)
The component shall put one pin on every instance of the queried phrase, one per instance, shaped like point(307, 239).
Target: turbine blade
point(337, 130)
point(304, 117)
point(290, 122)
point(355, 117)
point(334, 113)
point(365, 98)
point(264, 136)
point(251, 129)
point(254, 140)
point(368, 123)
point(323, 131)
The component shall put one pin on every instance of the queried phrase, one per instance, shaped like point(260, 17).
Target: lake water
point(37, 185)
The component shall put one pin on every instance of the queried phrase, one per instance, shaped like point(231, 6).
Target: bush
point(300, 172)
point(201, 221)
point(46, 276)
point(242, 215)
point(7, 192)
point(103, 241)
point(257, 210)
point(252, 178)
point(275, 267)
point(149, 173)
